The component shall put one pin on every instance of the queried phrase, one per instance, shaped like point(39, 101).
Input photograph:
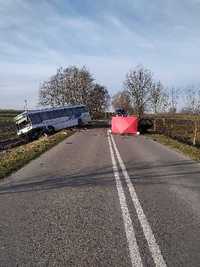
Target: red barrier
point(125, 125)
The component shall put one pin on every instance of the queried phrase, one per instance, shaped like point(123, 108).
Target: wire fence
point(184, 130)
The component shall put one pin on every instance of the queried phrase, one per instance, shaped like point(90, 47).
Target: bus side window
point(52, 115)
point(77, 112)
point(68, 112)
point(62, 113)
point(44, 116)
point(35, 118)
point(83, 109)
point(57, 114)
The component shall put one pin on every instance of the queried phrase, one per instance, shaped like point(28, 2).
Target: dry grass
point(183, 128)
point(15, 158)
point(175, 116)
point(188, 150)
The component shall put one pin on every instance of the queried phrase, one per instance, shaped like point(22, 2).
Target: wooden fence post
point(195, 133)
point(154, 125)
point(164, 126)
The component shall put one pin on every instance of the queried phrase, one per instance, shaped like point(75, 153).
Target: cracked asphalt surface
point(63, 209)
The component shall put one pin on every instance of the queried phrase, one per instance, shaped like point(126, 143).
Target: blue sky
point(108, 36)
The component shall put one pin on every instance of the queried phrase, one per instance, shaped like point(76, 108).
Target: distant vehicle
point(33, 123)
point(120, 112)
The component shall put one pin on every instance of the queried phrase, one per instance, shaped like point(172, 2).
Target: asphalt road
point(97, 200)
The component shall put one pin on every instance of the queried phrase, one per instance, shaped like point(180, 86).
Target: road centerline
point(130, 234)
point(148, 233)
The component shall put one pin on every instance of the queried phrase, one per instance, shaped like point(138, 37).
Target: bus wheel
point(34, 135)
point(80, 123)
point(28, 138)
point(51, 130)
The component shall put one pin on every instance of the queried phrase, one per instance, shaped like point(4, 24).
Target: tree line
point(141, 93)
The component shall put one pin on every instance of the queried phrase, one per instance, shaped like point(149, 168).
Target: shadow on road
point(144, 173)
point(99, 124)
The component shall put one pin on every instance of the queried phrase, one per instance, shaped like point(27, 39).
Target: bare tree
point(139, 83)
point(159, 98)
point(99, 100)
point(122, 100)
point(68, 86)
point(173, 99)
point(192, 99)
point(73, 86)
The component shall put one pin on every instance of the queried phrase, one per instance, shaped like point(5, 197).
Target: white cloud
point(110, 37)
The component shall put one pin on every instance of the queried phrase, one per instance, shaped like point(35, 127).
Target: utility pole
point(25, 105)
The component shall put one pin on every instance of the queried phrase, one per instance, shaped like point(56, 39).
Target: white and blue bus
point(33, 123)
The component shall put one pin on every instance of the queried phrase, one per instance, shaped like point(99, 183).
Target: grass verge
point(188, 150)
point(12, 160)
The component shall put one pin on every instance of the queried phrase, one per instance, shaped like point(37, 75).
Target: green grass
point(16, 158)
point(188, 150)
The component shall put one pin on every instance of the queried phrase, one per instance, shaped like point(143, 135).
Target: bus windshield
point(22, 123)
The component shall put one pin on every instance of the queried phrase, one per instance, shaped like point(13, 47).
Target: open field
point(7, 126)
point(174, 116)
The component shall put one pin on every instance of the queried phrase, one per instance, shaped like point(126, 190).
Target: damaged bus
point(34, 123)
